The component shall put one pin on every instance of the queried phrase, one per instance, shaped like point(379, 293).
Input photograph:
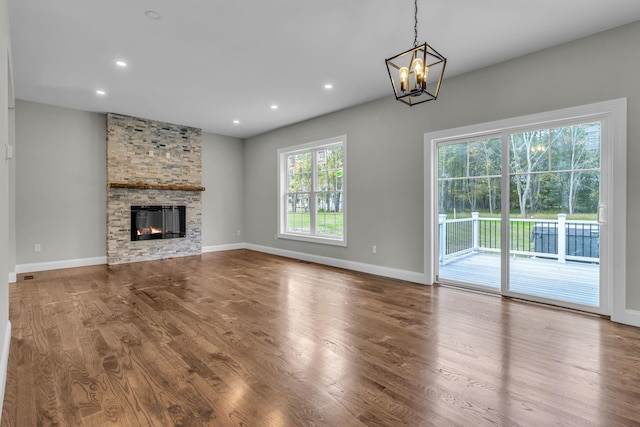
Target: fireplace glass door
point(157, 222)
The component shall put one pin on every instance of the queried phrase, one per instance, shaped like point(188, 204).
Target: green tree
point(528, 154)
point(572, 153)
point(485, 161)
point(299, 174)
point(330, 169)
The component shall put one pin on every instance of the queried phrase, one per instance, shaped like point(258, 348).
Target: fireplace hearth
point(157, 222)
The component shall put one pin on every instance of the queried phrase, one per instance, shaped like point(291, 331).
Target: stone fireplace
point(153, 165)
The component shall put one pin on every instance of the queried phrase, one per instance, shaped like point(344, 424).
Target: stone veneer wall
point(137, 154)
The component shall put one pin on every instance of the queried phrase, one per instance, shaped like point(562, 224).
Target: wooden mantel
point(167, 187)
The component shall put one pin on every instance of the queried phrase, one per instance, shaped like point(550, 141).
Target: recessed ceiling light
point(328, 86)
point(236, 122)
point(121, 63)
point(152, 14)
point(274, 107)
point(101, 92)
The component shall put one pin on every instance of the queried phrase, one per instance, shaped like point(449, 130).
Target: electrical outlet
point(168, 155)
point(37, 247)
point(150, 153)
point(374, 249)
point(238, 233)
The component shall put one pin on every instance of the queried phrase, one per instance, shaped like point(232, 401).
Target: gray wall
point(384, 184)
point(61, 185)
point(5, 103)
point(222, 176)
point(385, 145)
point(12, 192)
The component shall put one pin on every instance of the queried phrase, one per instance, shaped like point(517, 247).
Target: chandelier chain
point(415, 26)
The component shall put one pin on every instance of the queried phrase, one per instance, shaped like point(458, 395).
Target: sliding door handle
point(602, 214)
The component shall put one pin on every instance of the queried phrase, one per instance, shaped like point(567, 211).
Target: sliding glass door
point(517, 212)
point(554, 188)
point(469, 187)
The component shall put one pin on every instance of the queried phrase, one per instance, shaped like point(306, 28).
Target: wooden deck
point(575, 282)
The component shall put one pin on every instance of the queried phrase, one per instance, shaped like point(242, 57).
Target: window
point(312, 192)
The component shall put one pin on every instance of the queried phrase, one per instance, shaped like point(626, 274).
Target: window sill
point(312, 239)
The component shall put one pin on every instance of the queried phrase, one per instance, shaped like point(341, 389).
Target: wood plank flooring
point(241, 338)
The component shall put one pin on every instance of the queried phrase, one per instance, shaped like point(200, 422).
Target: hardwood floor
point(242, 338)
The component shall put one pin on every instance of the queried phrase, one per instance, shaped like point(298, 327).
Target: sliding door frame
point(466, 139)
point(613, 204)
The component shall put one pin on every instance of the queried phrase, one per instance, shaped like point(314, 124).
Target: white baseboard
point(394, 273)
point(627, 317)
point(218, 248)
point(13, 277)
point(57, 265)
point(410, 276)
point(4, 364)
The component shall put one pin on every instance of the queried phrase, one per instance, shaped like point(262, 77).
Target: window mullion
point(312, 202)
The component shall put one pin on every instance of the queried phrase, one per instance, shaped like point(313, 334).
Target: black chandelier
point(410, 71)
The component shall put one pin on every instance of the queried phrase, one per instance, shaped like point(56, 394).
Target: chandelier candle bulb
point(425, 75)
point(418, 70)
point(404, 78)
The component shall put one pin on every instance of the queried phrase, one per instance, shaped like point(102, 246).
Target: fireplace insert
point(157, 222)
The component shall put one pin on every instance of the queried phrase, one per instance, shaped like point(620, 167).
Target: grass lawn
point(327, 223)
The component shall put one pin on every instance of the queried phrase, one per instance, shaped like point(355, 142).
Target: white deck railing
point(558, 239)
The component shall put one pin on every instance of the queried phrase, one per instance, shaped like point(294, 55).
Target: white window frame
point(283, 153)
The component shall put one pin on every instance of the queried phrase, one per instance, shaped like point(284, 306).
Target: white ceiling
point(205, 63)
